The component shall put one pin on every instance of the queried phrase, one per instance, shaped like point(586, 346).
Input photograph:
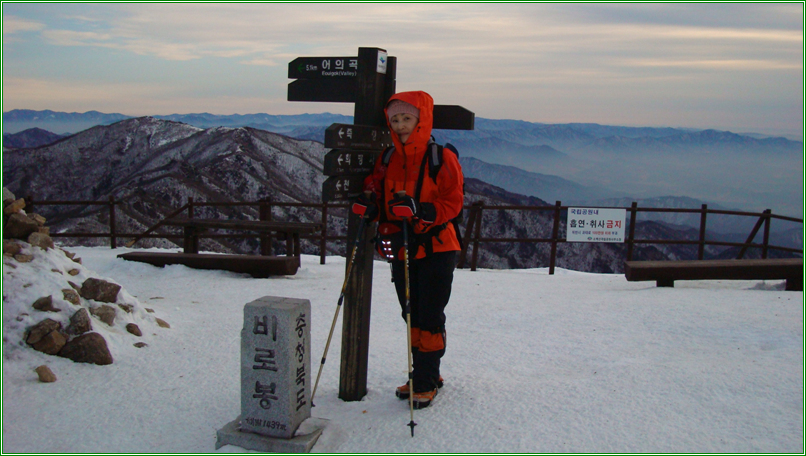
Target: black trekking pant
point(430, 281)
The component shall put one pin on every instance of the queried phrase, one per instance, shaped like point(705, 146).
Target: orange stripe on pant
point(426, 341)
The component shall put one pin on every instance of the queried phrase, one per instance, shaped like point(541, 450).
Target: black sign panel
point(334, 90)
point(452, 117)
point(323, 67)
point(339, 162)
point(342, 187)
point(347, 136)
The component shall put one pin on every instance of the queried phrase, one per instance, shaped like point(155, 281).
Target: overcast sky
point(737, 67)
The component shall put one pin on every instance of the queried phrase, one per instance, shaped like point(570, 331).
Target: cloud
point(13, 25)
point(510, 60)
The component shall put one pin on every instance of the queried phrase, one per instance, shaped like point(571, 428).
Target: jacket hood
point(425, 104)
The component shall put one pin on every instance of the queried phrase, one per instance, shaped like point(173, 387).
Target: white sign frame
point(594, 224)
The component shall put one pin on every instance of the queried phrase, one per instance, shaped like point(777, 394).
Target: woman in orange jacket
point(401, 190)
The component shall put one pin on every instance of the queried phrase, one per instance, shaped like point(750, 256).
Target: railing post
point(631, 234)
point(555, 233)
point(750, 238)
point(113, 240)
point(264, 214)
point(766, 243)
point(471, 220)
point(701, 250)
point(190, 207)
point(29, 204)
point(474, 260)
point(323, 241)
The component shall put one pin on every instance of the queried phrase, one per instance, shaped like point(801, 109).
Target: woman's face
point(403, 125)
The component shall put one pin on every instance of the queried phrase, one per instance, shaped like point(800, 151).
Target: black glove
point(403, 206)
point(365, 205)
point(427, 213)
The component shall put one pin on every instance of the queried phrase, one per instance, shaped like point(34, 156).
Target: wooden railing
point(472, 226)
point(473, 231)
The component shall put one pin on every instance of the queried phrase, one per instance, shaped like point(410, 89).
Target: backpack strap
point(386, 155)
point(433, 158)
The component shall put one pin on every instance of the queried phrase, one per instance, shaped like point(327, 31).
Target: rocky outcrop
point(87, 348)
point(62, 320)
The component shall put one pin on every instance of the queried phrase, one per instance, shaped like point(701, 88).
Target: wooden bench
point(263, 265)
point(259, 266)
point(666, 272)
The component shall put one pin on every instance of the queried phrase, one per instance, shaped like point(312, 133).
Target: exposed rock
point(38, 219)
point(74, 272)
point(71, 296)
point(99, 290)
point(45, 304)
point(46, 337)
point(141, 344)
point(24, 258)
point(8, 197)
point(162, 323)
point(87, 348)
point(11, 248)
point(19, 226)
point(39, 330)
point(70, 255)
point(74, 285)
point(149, 310)
point(105, 313)
point(45, 374)
point(14, 207)
point(128, 308)
point(40, 239)
point(80, 323)
point(134, 329)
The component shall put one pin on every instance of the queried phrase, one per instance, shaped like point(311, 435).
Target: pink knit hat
point(399, 106)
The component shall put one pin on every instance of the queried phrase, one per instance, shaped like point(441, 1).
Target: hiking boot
point(424, 399)
point(403, 391)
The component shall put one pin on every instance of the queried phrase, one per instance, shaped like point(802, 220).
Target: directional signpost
point(367, 80)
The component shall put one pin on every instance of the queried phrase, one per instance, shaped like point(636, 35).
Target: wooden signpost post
point(367, 80)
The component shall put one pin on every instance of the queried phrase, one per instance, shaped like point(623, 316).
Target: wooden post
point(476, 236)
point(766, 242)
point(264, 214)
point(631, 235)
point(751, 237)
point(323, 241)
point(471, 220)
point(191, 212)
point(113, 240)
point(555, 233)
point(29, 204)
point(374, 89)
point(701, 250)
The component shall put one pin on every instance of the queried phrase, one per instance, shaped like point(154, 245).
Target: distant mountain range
point(576, 163)
point(153, 166)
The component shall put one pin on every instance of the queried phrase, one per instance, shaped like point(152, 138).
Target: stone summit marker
point(275, 379)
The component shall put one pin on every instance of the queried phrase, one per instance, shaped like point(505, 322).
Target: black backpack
point(434, 160)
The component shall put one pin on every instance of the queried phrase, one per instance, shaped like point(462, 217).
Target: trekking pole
point(408, 318)
point(361, 224)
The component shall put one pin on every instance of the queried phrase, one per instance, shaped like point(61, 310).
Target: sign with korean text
point(595, 224)
point(341, 188)
point(339, 162)
point(275, 366)
point(323, 67)
point(346, 136)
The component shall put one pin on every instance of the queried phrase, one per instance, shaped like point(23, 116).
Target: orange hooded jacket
point(403, 170)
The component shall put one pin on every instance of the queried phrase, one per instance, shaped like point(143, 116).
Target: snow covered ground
point(572, 362)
